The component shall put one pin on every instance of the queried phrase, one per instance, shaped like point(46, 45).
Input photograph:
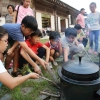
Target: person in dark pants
point(38, 48)
point(81, 37)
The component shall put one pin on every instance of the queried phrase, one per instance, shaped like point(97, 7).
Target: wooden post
point(56, 18)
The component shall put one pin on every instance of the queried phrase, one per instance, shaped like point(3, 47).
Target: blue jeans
point(94, 35)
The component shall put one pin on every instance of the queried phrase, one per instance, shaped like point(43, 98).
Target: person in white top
point(4, 75)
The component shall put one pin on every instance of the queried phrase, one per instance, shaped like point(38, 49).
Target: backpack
point(17, 13)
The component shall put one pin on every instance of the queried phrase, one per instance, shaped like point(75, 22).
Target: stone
point(26, 90)
point(6, 97)
point(44, 97)
point(36, 80)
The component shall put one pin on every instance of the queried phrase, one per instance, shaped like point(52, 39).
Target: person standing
point(80, 19)
point(22, 10)
point(93, 23)
point(9, 18)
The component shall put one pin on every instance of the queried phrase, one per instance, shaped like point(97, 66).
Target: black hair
point(30, 22)
point(21, 3)
point(82, 9)
point(54, 35)
point(36, 33)
point(93, 3)
point(3, 32)
point(11, 6)
point(78, 26)
point(70, 32)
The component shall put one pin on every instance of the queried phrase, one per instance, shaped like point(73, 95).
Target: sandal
point(16, 74)
point(70, 57)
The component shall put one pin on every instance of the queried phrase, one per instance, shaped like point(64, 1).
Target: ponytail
point(21, 3)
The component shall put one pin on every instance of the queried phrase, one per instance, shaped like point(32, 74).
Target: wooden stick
point(52, 73)
point(41, 74)
point(53, 95)
point(49, 81)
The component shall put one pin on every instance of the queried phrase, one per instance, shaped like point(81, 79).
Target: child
point(5, 77)
point(81, 37)
point(70, 44)
point(93, 23)
point(38, 48)
point(55, 46)
point(16, 33)
point(22, 10)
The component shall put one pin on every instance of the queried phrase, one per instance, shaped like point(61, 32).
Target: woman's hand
point(37, 69)
point(10, 51)
point(43, 63)
point(76, 42)
point(34, 75)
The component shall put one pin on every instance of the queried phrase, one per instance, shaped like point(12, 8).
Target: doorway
point(63, 25)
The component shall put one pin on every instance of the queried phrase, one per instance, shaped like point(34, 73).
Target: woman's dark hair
point(54, 35)
point(30, 22)
point(78, 26)
point(11, 6)
point(3, 32)
point(93, 3)
point(70, 32)
point(36, 33)
point(82, 9)
point(21, 3)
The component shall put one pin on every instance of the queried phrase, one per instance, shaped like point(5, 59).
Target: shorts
point(56, 51)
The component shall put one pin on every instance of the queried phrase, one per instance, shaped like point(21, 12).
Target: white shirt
point(2, 69)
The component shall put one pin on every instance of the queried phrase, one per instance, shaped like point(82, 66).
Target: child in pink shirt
point(23, 10)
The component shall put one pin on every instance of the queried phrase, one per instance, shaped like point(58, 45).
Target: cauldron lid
point(84, 68)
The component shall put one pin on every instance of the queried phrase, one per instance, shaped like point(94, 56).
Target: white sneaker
point(55, 63)
point(50, 65)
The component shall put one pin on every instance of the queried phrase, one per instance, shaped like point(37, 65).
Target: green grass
point(43, 40)
point(34, 94)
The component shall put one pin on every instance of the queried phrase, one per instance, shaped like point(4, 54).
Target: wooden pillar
point(56, 18)
point(33, 7)
point(0, 7)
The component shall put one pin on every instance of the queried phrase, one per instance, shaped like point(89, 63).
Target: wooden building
point(49, 13)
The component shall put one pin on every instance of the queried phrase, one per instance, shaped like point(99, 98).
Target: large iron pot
point(79, 80)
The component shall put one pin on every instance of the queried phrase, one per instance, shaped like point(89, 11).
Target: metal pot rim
point(86, 83)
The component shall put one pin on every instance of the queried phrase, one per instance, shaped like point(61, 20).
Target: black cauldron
point(79, 80)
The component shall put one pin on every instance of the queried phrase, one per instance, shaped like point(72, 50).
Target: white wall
point(52, 23)
point(2, 21)
point(69, 19)
point(66, 23)
point(39, 20)
point(59, 24)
